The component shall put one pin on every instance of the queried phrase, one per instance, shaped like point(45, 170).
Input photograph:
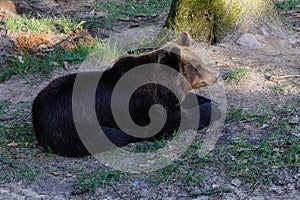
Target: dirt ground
point(279, 56)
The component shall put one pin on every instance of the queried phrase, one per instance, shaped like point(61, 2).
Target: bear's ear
point(184, 39)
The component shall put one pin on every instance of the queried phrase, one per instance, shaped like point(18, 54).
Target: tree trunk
point(211, 20)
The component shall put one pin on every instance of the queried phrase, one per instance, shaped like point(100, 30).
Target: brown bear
point(52, 111)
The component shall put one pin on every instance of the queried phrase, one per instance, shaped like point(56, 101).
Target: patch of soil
point(279, 56)
point(82, 10)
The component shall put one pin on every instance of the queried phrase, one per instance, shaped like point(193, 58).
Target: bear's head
point(181, 57)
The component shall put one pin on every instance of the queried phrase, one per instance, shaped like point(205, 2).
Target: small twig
point(78, 25)
point(248, 120)
point(287, 12)
point(276, 78)
point(296, 29)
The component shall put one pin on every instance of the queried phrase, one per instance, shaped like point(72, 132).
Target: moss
point(207, 20)
point(211, 20)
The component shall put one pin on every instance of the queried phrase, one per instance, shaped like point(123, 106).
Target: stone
point(236, 182)
point(276, 189)
point(249, 40)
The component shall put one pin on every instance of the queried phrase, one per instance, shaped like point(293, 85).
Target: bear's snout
point(208, 76)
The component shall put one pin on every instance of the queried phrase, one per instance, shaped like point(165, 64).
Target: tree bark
point(211, 20)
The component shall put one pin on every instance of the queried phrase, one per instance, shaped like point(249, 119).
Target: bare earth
point(279, 56)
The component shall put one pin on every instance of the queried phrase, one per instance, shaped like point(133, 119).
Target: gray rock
point(276, 189)
point(236, 182)
point(249, 40)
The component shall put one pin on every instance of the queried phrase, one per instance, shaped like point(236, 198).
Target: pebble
point(236, 182)
point(276, 189)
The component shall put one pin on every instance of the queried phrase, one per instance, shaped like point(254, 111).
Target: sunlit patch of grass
point(164, 176)
point(105, 53)
point(237, 75)
point(38, 25)
point(28, 64)
point(281, 88)
point(102, 53)
point(111, 11)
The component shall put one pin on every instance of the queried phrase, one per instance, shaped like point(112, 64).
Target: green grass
point(100, 52)
point(42, 63)
point(28, 64)
point(237, 75)
point(15, 136)
point(256, 161)
point(3, 106)
point(132, 8)
point(111, 11)
point(150, 146)
point(32, 64)
point(253, 163)
point(260, 115)
point(37, 25)
point(287, 4)
point(15, 171)
point(179, 173)
point(90, 181)
point(281, 88)
point(105, 52)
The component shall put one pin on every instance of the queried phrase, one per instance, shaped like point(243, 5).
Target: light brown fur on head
point(176, 54)
point(190, 64)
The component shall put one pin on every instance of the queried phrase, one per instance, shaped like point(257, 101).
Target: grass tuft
point(38, 25)
point(31, 64)
point(15, 171)
point(90, 181)
point(111, 11)
point(237, 75)
point(281, 88)
point(260, 115)
point(286, 5)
